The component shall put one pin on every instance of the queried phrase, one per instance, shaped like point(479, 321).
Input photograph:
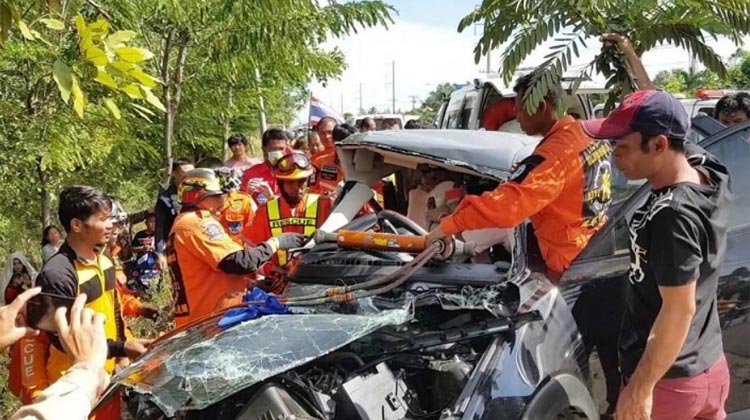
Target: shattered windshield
point(204, 364)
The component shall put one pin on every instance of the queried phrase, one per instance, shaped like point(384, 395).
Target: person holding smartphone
point(81, 267)
point(85, 343)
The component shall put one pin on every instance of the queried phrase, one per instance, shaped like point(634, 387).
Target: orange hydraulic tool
point(349, 239)
point(374, 241)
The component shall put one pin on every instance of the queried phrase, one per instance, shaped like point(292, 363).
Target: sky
point(423, 49)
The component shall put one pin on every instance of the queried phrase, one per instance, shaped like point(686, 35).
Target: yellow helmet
point(199, 184)
point(293, 166)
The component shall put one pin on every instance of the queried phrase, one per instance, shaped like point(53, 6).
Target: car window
point(733, 151)
point(452, 115)
point(706, 110)
point(466, 109)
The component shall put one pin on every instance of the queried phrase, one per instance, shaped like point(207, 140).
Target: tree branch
point(99, 9)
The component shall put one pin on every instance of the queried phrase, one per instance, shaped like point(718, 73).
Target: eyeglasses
point(289, 163)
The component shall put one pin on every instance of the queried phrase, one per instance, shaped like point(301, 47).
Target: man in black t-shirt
point(671, 354)
point(143, 241)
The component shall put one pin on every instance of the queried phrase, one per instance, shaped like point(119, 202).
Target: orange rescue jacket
point(563, 187)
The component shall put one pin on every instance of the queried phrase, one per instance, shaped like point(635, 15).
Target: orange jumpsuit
point(196, 246)
point(277, 216)
point(236, 214)
point(563, 187)
point(328, 173)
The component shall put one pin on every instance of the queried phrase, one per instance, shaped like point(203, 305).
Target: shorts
point(699, 397)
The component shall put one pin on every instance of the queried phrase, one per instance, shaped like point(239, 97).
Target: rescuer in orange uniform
point(563, 187)
point(206, 265)
point(295, 210)
point(328, 173)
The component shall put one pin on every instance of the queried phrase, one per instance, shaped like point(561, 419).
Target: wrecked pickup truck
point(427, 336)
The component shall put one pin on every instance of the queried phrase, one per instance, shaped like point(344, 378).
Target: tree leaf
point(143, 78)
point(141, 113)
point(132, 91)
point(86, 42)
point(100, 28)
point(143, 109)
point(79, 101)
point(96, 56)
point(54, 24)
point(25, 30)
point(113, 108)
point(64, 79)
point(133, 54)
point(152, 99)
point(81, 25)
point(121, 36)
point(106, 79)
point(122, 66)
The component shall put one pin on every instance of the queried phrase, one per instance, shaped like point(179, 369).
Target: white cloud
point(425, 56)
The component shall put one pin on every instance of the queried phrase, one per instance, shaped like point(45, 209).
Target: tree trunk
point(167, 100)
point(44, 195)
point(228, 122)
point(177, 82)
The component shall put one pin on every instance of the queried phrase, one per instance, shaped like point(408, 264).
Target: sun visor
point(364, 160)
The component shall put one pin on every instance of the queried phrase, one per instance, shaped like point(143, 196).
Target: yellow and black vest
point(277, 223)
point(97, 280)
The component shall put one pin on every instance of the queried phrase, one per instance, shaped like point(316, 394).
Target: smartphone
point(40, 310)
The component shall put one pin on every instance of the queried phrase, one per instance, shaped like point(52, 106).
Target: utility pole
point(482, 25)
point(342, 104)
point(361, 108)
point(414, 99)
point(393, 86)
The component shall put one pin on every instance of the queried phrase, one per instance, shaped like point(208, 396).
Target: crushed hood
point(204, 364)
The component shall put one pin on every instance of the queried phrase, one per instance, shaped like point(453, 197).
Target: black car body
point(458, 341)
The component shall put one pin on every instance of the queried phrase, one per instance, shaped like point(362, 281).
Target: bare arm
point(667, 335)
point(637, 71)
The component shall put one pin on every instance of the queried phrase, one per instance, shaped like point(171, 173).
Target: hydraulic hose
point(418, 261)
point(386, 283)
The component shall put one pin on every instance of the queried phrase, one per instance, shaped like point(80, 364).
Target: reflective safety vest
point(309, 221)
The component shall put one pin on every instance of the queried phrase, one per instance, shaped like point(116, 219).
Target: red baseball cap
point(650, 112)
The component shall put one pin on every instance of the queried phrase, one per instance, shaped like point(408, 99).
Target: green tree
point(527, 25)
point(255, 49)
point(436, 97)
point(688, 82)
point(53, 63)
point(430, 106)
point(739, 73)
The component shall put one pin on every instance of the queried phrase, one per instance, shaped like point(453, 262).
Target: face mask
point(275, 155)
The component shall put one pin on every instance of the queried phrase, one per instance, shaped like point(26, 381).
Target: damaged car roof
point(486, 152)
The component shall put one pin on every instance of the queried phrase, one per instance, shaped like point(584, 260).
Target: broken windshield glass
point(204, 364)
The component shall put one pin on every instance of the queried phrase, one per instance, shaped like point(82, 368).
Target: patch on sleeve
point(213, 230)
point(524, 168)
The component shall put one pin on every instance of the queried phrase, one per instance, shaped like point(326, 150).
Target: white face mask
point(275, 155)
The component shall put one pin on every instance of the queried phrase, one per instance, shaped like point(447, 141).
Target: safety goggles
point(289, 163)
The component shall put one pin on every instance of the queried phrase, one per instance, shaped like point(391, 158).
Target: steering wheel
point(393, 222)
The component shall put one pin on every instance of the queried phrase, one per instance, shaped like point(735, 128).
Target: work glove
point(287, 241)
